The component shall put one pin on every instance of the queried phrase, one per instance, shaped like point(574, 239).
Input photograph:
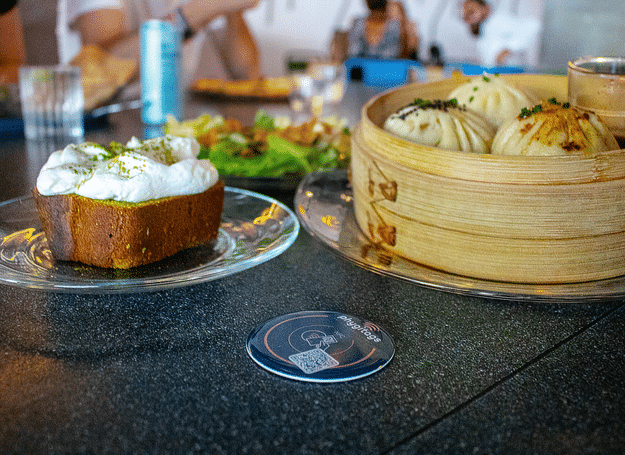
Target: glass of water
point(318, 88)
point(301, 97)
point(329, 79)
point(52, 103)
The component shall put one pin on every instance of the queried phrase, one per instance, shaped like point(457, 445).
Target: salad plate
point(272, 153)
point(254, 229)
point(323, 204)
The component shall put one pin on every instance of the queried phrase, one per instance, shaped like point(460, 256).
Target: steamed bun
point(493, 97)
point(442, 124)
point(551, 128)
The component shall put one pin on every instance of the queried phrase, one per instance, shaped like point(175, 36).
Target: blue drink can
point(161, 92)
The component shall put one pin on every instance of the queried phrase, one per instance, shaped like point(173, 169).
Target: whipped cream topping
point(139, 171)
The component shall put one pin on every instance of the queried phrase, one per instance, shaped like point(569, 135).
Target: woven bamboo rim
point(480, 167)
point(507, 210)
point(546, 261)
point(515, 219)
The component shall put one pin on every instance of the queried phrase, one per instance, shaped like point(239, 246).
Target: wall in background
point(571, 27)
point(442, 25)
point(284, 26)
point(575, 28)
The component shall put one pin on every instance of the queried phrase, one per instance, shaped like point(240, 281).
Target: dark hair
point(376, 4)
point(475, 28)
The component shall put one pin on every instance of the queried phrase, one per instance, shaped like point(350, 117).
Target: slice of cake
point(125, 206)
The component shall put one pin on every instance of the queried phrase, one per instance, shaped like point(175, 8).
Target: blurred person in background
point(12, 50)
point(386, 32)
point(217, 41)
point(502, 38)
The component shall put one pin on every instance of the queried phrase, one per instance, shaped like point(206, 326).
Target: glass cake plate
point(324, 207)
point(254, 229)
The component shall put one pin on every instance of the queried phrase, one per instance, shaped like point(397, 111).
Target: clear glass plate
point(254, 229)
point(323, 204)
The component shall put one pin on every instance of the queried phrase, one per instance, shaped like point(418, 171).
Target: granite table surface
point(168, 371)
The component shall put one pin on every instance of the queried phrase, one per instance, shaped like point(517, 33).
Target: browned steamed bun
point(493, 97)
point(442, 124)
point(550, 129)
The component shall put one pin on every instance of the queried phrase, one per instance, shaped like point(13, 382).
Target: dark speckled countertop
point(168, 371)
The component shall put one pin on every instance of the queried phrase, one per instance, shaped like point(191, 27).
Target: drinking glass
point(597, 84)
point(52, 103)
point(320, 86)
point(329, 80)
point(301, 97)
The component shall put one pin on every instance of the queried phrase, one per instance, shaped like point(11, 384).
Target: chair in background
point(472, 69)
point(383, 73)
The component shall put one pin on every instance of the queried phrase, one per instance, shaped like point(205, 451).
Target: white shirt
point(200, 57)
point(520, 35)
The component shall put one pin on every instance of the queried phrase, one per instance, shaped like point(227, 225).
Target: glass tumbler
point(597, 84)
point(52, 103)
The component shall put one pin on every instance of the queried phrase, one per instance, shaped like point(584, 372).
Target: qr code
point(313, 361)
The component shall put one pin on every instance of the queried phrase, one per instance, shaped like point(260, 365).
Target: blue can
point(161, 92)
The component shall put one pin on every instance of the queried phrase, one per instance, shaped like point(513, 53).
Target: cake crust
point(111, 234)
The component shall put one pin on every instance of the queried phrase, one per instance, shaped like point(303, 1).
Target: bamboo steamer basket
point(541, 220)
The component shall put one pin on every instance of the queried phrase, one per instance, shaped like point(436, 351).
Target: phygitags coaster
point(320, 346)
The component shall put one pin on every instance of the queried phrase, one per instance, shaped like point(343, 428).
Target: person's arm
point(12, 49)
point(412, 39)
point(339, 46)
point(503, 56)
point(408, 29)
point(240, 54)
point(199, 13)
point(106, 27)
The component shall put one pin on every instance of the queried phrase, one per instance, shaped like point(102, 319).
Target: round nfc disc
point(320, 346)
